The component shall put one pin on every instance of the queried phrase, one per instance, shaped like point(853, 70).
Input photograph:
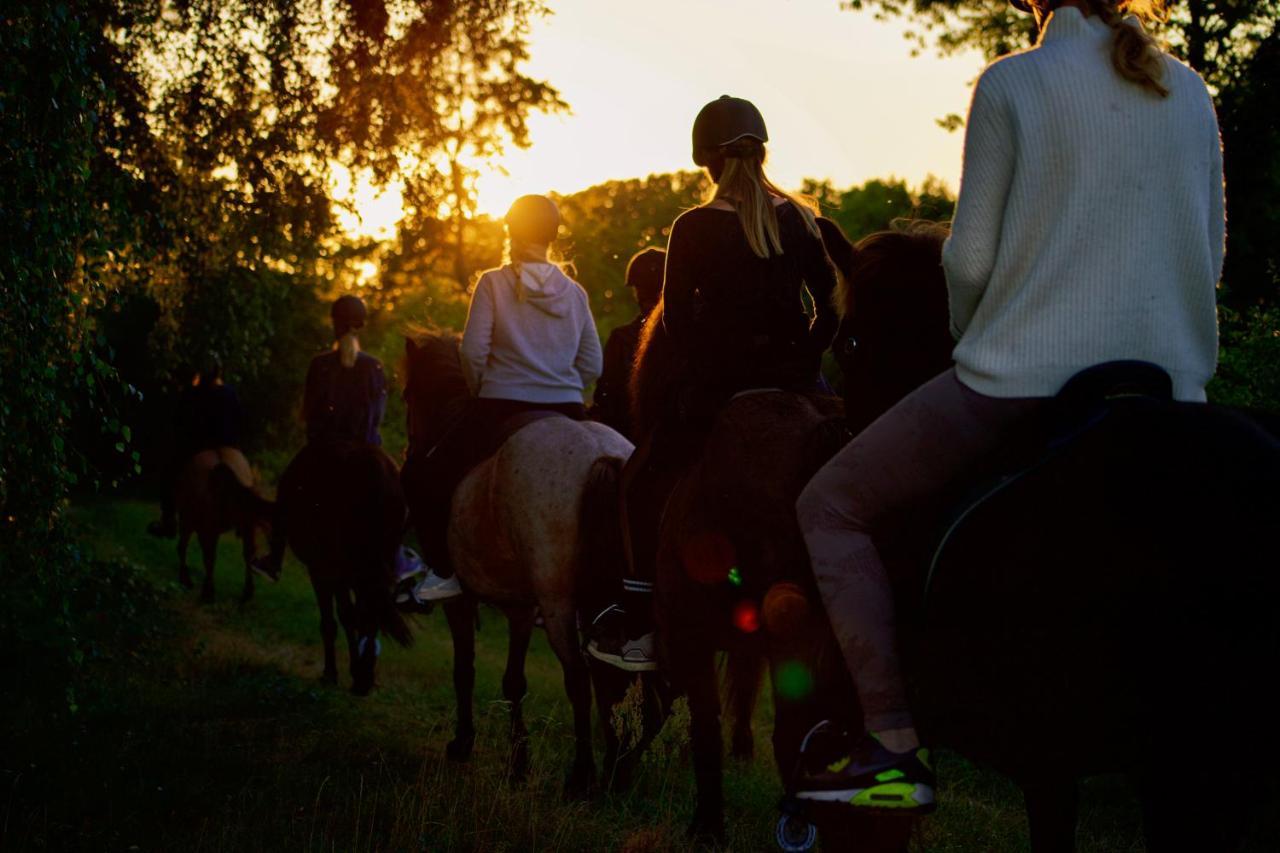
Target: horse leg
point(184, 539)
point(563, 634)
point(328, 628)
point(209, 551)
point(461, 616)
point(248, 549)
point(1052, 806)
point(347, 619)
point(520, 627)
point(694, 671)
point(743, 675)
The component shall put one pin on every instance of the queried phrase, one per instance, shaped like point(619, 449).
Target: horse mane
point(908, 252)
point(431, 362)
point(652, 372)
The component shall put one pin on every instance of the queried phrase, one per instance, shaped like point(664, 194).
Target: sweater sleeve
point(1217, 196)
point(969, 255)
point(477, 335)
point(589, 360)
point(680, 285)
point(820, 279)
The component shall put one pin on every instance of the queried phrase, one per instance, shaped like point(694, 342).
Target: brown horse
point(216, 493)
point(345, 515)
point(517, 540)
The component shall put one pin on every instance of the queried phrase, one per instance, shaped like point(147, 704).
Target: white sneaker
point(634, 655)
point(435, 588)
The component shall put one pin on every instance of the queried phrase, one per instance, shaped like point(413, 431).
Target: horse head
point(434, 385)
point(895, 317)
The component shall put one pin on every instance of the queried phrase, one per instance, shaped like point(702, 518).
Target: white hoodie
point(542, 349)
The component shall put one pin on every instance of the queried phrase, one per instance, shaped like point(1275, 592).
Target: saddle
point(1088, 401)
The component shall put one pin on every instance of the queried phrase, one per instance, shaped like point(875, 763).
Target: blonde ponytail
point(1136, 56)
point(744, 184)
point(349, 348)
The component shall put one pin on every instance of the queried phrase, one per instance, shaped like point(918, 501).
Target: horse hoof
point(361, 689)
point(206, 596)
point(329, 678)
point(459, 749)
point(246, 596)
point(185, 582)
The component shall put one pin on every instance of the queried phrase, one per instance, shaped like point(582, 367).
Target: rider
point(530, 345)
point(208, 417)
point(612, 400)
point(733, 306)
point(1089, 228)
point(344, 400)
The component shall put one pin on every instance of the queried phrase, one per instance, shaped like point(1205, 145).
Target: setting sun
point(843, 97)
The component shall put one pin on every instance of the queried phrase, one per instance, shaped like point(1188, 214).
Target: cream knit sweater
point(1090, 225)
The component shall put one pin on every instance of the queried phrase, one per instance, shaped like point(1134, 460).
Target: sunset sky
point(840, 92)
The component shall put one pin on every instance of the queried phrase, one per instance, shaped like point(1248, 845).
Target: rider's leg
point(924, 443)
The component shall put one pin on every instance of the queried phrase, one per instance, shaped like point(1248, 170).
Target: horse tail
point(600, 550)
point(392, 622)
point(243, 501)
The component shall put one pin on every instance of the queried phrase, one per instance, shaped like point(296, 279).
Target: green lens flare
point(735, 576)
point(794, 680)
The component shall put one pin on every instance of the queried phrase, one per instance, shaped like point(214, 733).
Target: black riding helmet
point(644, 273)
point(348, 313)
point(723, 121)
point(533, 219)
point(1020, 5)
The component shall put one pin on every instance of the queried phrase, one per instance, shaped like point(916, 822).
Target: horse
point(521, 537)
point(729, 541)
point(216, 492)
point(345, 516)
point(736, 506)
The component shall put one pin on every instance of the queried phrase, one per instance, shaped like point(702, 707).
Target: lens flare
point(746, 617)
point(786, 609)
point(794, 681)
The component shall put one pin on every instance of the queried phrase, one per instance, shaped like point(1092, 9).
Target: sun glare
point(843, 96)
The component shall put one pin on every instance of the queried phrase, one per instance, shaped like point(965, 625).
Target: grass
point(216, 734)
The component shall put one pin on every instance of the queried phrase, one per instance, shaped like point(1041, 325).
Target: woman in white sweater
point(530, 344)
point(1089, 228)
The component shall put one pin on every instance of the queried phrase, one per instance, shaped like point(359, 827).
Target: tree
point(606, 224)
point(874, 205)
point(1216, 37)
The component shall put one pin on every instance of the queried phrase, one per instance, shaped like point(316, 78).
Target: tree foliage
point(1217, 37)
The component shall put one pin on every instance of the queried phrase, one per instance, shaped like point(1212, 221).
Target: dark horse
point(345, 515)
point(523, 536)
point(1106, 604)
point(216, 492)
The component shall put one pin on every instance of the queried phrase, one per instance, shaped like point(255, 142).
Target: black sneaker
point(866, 775)
point(609, 642)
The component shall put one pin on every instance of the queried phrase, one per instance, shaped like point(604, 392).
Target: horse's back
point(347, 503)
point(195, 498)
point(514, 524)
point(1123, 585)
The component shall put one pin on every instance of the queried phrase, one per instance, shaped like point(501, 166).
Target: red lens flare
point(746, 617)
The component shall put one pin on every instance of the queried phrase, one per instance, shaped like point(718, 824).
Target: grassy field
point(215, 733)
